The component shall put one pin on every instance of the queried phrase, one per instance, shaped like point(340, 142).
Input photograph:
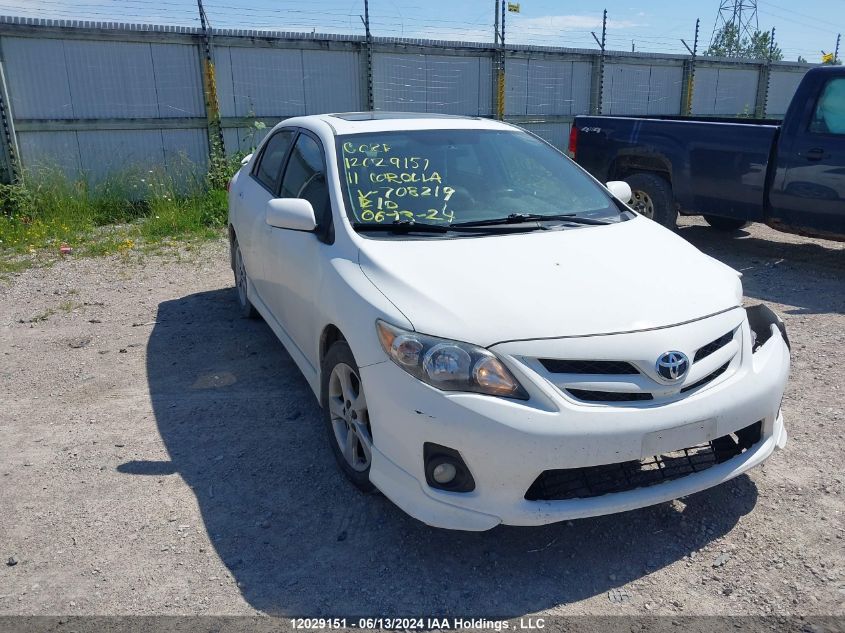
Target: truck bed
point(728, 157)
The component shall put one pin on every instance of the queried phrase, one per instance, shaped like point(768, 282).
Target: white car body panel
point(628, 291)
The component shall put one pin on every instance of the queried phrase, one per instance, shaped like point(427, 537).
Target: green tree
point(728, 43)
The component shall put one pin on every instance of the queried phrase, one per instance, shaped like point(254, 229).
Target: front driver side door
point(295, 259)
point(812, 193)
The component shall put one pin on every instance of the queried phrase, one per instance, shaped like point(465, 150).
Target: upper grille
point(713, 346)
point(593, 481)
point(708, 378)
point(602, 367)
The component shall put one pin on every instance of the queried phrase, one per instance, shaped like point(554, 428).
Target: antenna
point(742, 16)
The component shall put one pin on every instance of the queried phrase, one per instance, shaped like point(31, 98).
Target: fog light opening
point(444, 473)
point(445, 469)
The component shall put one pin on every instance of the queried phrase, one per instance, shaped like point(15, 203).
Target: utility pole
point(500, 93)
point(496, 22)
point(689, 84)
point(216, 145)
point(598, 87)
point(369, 44)
point(761, 110)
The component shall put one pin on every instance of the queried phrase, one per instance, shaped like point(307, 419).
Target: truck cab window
point(829, 117)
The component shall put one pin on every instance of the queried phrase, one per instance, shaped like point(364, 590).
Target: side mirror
point(620, 190)
point(295, 214)
point(246, 159)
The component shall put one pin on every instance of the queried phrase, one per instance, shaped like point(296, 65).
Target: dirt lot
point(161, 455)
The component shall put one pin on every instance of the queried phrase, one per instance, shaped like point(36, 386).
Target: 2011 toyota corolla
point(493, 336)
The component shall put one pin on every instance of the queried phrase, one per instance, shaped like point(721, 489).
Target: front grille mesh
point(596, 367)
point(609, 396)
point(594, 481)
point(713, 346)
point(708, 378)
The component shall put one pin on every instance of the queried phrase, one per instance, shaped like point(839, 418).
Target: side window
point(829, 117)
point(270, 162)
point(305, 177)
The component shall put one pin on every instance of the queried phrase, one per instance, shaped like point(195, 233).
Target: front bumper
point(508, 444)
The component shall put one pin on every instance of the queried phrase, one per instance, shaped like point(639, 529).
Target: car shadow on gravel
point(805, 274)
point(243, 431)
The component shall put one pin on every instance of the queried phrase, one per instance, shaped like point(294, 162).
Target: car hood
point(623, 277)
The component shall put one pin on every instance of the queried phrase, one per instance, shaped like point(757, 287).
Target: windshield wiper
point(402, 226)
point(518, 218)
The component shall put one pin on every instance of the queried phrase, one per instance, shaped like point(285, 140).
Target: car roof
point(381, 121)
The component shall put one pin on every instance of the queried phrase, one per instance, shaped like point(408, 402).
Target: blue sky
point(655, 26)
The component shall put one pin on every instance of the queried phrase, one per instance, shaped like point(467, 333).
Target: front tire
point(652, 197)
point(242, 282)
point(725, 224)
point(346, 415)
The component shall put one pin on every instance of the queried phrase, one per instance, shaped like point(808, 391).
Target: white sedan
point(493, 336)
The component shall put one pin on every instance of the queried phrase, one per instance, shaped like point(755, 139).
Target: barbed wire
point(399, 20)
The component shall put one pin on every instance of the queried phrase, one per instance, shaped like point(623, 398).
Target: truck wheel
point(651, 196)
point(725, 224)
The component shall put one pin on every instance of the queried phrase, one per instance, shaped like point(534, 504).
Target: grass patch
point(135, 210)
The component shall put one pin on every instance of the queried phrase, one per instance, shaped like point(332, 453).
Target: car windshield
point(450, 177)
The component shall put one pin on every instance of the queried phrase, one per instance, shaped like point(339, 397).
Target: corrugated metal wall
point(642, 89)
point(92, 103)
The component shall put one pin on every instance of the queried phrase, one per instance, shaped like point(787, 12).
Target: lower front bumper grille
point(594, 481)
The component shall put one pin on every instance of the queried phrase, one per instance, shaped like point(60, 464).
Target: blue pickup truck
point(790, 174)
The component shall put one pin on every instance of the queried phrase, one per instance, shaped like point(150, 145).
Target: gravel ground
point(161, 455)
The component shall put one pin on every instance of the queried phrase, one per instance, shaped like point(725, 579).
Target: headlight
point(761, 319)
point(448, 365)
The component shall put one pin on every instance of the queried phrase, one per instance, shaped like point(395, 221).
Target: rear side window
point(305, 177)
point(829, 117)
point(270, 162)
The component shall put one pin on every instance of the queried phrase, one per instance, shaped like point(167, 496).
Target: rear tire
point(725, 224)
point(651, 197)
point(242, 282)
point(346, 416)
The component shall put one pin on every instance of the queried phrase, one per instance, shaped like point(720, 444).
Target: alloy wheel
point(350, 420)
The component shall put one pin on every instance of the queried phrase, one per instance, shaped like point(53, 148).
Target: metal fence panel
point(332, 81)
point(725, 91)
point(185, 151)
point(555, 133)
point(782, 86)
point(399, 82)
point(452, 84)
point(516, 86)
point(664, 89)
point(111, 79)
point(178, 80)
point(117, 153)
point(581, 86)
point(447, 84)
point(267, 82)
point(50, 150)
point(625, 89)
point(37, 78)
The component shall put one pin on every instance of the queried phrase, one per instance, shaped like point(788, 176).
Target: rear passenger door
point(262, 185)
point(811, 192)
point(296, 259)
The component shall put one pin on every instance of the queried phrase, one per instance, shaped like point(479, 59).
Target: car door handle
point(816, 153)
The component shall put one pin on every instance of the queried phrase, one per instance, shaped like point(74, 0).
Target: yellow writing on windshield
point(385, 186)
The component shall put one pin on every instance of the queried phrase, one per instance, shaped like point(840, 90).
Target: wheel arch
point(330, 335)
point(625, 166)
